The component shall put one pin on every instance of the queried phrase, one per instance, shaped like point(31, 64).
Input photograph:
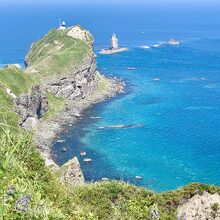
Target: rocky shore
point(47, 131)
point(65, 82)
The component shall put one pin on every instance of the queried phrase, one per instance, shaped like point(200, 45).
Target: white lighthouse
point(63, 25)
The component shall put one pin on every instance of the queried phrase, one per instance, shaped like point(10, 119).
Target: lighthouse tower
point(63, 25)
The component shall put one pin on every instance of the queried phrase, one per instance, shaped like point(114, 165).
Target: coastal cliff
point(63, 81)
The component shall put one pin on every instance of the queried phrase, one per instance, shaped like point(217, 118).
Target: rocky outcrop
point(31, 107)
point(78, 83)
point(114, 46)
point(78, 32)
point(200, 207)
point(71, 172)
point(114, 42)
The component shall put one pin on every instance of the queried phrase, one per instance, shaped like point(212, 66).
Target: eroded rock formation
point(200, 207)
point(31, 107)
point(78, 83)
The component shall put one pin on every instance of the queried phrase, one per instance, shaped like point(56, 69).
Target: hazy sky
point(153, 2)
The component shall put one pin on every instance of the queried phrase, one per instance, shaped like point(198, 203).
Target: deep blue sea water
point(180, 142)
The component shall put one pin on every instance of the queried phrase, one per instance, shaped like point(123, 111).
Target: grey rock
point(71, 172)
point(31, 106)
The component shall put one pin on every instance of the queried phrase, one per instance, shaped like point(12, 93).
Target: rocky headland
point(63, 81)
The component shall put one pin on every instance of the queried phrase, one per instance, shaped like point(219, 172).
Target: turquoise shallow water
point(180, 140)
point(181, 112)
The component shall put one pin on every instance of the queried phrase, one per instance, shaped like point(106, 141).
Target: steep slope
point(28, 190)
point(13, 83)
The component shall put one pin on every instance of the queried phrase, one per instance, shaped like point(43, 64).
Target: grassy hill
point(19, 83)
point(28, 190)
point(56, 53)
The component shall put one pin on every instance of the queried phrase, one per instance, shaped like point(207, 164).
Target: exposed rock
point(78, 83)
point(30, 123)
point(82, 154)
point(31, 106)
point(64, 149)
point(82, 34)
point(9, 92)
point(138, 177)
point(87, 160)
point(114, 46)
point(114, 42)
point(14, 65)
point(71, 172)
point(200, 207)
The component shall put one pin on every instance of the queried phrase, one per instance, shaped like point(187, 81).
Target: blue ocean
point(173, 90)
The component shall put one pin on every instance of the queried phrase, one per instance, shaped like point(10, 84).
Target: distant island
point(114, 46)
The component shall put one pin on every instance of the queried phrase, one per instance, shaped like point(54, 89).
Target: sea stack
point(114, 46)
point(114, 42)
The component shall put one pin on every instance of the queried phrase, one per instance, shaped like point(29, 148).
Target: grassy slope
point(56, 104)
point(50, 55)
point(19, 83)
point(23, 174)
point(56, 53)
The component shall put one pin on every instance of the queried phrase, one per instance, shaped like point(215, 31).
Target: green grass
point(16, 80)
point(23, 174)
point(102, 82)
point(56, 104)
point(19, 83)
point(57, 53)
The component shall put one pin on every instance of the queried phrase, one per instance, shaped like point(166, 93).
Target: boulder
point(71, 173)
point(200, 207)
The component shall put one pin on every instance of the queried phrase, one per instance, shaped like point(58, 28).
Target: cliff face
point(31, 107)
point(60, 80)
point(78, 83)
point(66, 62)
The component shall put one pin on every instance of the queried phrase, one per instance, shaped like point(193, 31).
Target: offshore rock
point(114, 46)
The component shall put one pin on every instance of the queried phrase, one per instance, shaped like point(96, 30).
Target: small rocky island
point(114, 46)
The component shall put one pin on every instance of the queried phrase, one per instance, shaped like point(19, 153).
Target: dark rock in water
point(82, 154)
point(121, 126)
point(138, 177)
point(64, 149)
point(60, 141)
point(87, 160)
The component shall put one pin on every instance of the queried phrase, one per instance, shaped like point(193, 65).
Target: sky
point(104, 2)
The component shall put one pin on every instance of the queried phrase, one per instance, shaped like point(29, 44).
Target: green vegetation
point(57, 53)
point(28, 190)
point(102, 82)
point(56, 104)
point(19, 83)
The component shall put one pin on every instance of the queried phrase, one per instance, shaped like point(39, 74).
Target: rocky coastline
point(77, 84)
point(47, 131)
